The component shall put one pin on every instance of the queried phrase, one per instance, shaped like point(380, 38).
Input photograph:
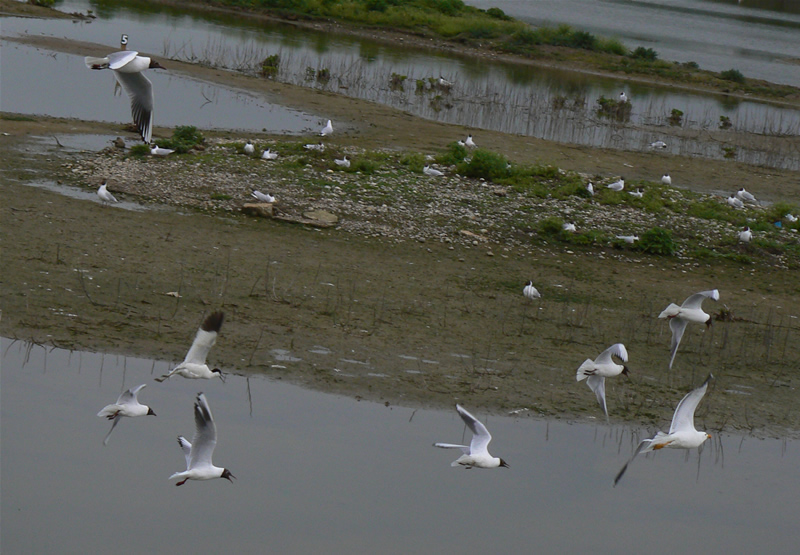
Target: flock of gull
point(128, 68)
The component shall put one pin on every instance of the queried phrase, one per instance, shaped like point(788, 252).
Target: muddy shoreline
point(408, 323)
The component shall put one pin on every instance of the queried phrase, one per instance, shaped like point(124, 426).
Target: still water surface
point(549, 104)
point(323, 473)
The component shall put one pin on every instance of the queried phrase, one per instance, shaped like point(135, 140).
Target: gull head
point(504, 464)
point(150, 411)
point(625, 371)
point(709, 321)
point(219, 373)
point(155, 65)
point(227, 475)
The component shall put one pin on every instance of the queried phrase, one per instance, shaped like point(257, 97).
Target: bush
point(497, 13)
point(657, 241)
point(184, 138)
point(484, 164)
point(139, 151)
point(675, 117)
point(269, 66)
point(733, 75)
point(642, 53)
point(551, 226)
point(455, 154)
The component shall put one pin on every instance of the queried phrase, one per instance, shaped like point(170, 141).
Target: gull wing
point(598, 385)
point(617, 349)
point(678, 326)
point(696, 300)
point(464, 448)
point(121, 59)
point(140, 90)
point(205, 339)
point(113, 425)
point(130, 395)
point(186, 447)
point(205, 434)
point(643, 446)
point(480, 435)
point(683, 420)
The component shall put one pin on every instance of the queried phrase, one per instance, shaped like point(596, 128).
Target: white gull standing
point(623, 98)
point(682, 433)
point(128, 67)
point(745, 196)
point(734, 201)
point(344, 162)
point(618, 185)
point(105, 195)
point(469, 142)
point(666, 179)
point(596, 371)
point(127, 405)
point(690, 311)
point(199, 452)
point(327, 130)
point(530, 291)
point(249, 148)
point(745, 236)
point(194, 365)
point(477, 452)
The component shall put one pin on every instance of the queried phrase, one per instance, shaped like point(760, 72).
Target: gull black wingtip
point(150, 412)
point(227, 475)
point(213, 322)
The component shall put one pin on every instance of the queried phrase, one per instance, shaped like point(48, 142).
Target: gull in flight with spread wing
point(128, 68)
point(127, 405)
point(596, 371)
point(476, 453)
point(198, 453)
point(682, 433)
point(690, 311)
point(194, 365)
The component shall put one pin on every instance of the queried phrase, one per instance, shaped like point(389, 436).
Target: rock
point(322, 216)
point(259, 209)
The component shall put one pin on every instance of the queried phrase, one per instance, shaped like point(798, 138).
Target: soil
point(412, 323)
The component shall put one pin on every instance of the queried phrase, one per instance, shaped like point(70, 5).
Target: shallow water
point(549, 104)
point(317, 472)
point(757, 37)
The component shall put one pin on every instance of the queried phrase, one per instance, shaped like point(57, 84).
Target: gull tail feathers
point(96, 63)
point(671, 310)
point(587, 365)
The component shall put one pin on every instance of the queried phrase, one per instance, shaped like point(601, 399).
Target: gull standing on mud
point(105, 195)
point(596, 371)
point(127, 405)
point(590, 188)
point(530, 291)
point(745, 196)
point(666, 179)
point(249, 148)
point(327, 130)
point(617, 185)
point(623, 98)
point(469, 142)
point(199, 452)
point(128, 67)
point(477, 452)
point(690, 311)
point(194, 365)
point(682, 433)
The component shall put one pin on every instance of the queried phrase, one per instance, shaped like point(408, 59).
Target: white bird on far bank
point(745, 235)
point(128, 68)
point(105, 195)
point(327, 130)
point(530, 291)
point(200, 451)
point(569, 227)
point(596, 371)
point(623, 98)
point(477, 452)
point(427, 170)
point(319, 147)
point(469, 142)
point(682, 433)
point(344, 162)
point(628, 238)
point(638, 193)
point(690, 311)
point(158, 151)
point(269, 155)
point(666, 179)
point(194, 365)
point(734, 201)
point(127, 405)
point(249, 148)
point(261, 197)
point(745, 196)
point(658, 144)
point(790, 218)
point(590, 188)
point(617, 185)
